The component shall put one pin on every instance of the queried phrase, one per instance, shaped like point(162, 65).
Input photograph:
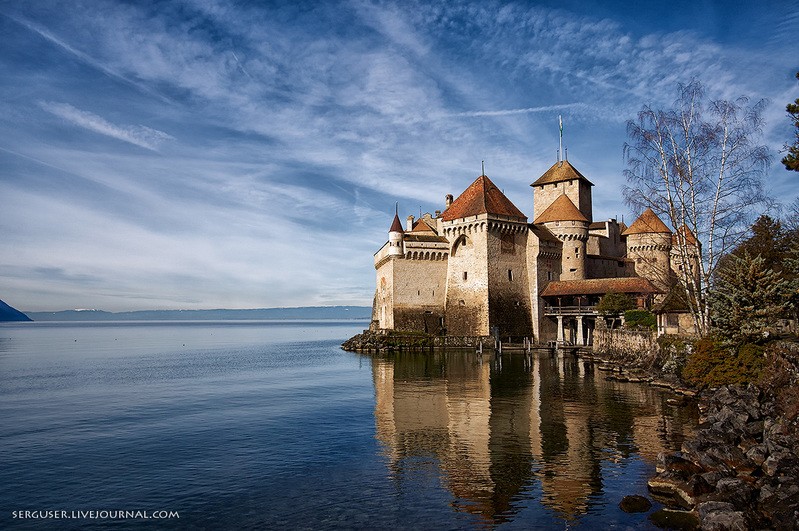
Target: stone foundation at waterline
point(622, 343)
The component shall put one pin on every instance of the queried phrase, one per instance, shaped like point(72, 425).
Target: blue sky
point(201, 154)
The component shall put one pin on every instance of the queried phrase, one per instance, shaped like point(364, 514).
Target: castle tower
point(689, 259)
point(487, 285)
point(570, 226)
point(395, 234)
point(562, 178)
point(649, 245)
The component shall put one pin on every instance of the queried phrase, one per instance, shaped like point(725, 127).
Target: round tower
point(395, 235)
point(574, 235)
point(649, 245)
point(570, 226)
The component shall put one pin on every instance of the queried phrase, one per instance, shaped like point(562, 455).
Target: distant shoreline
point(304, 312)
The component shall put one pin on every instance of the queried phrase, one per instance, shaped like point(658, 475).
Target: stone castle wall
point(467, 280)
point(508, 295)
point(623, 342)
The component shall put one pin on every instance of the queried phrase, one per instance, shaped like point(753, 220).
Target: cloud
point(526, 110)
point(138, 135)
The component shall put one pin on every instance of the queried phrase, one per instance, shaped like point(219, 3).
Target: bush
point(713, 364)
point(674, 352)
point(640, 318)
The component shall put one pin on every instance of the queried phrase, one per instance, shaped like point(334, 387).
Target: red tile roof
point(559, 172)
point(598, 286)
point(544, 234)
point(561, 209)
point(689, 236)
point(396, 226)
point(647, 223)
point(422, 226)
point(481, 197)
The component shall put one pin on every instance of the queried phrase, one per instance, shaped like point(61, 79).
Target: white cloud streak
point(526, 110)
point(138, 135)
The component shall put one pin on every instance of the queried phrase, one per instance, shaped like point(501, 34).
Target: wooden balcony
point(570, 310)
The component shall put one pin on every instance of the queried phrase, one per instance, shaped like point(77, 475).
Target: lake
point(269, 424)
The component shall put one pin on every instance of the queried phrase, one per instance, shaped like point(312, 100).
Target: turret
point(395, 235)
point(570, 226)
point(649, 244)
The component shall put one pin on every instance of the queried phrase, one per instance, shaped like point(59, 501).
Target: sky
point(195, 154)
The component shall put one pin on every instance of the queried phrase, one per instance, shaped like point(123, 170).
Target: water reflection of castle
point(508, 430)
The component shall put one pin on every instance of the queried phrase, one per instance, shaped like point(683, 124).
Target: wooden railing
point(570, 310)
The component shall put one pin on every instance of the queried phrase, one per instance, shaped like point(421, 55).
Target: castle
point(480, 268)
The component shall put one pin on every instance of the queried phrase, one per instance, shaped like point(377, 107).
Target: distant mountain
point(7, 313)
point(307, 312)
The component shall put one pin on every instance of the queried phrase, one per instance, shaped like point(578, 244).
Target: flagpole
point(560, 126)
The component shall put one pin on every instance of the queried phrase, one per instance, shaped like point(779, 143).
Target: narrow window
point(510, 275)
point(465, 275)
point(549, 275)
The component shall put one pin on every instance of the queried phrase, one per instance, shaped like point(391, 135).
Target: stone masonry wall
point(508, 290)
point(621, 342)
point(467, 280)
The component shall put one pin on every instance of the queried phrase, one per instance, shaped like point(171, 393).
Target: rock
point(673, 519)
point(635, 504)
point(683, 492)
point(757, 454)
point(711, 478)
point(677, 465)
point(705, 508)
point(725, 521)
point(780, 505)
point(754, 428)
point(777, 462)
point(736, 491)
point(721, 516)
point(731, 456)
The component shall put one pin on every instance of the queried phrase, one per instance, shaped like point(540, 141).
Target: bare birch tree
point(698, 166)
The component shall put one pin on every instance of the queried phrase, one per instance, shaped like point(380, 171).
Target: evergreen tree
point(748, 299)
point(768, 240)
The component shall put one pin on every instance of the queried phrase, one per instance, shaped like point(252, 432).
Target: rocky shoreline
point(741, 470)
point(369, 341)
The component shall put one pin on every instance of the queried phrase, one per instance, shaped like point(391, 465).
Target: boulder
point(721, 516)
point(635, 504)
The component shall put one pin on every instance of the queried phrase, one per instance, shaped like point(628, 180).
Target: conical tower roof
point(396, 225)
point(481, 197)
point(559, 172)
point(690, 239)
point(561, 209)
point(647, 223)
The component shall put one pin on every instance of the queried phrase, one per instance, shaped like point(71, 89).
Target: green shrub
point(640, 319)
point(713, 364)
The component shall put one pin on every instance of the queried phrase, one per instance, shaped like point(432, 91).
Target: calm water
point(270, 425)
